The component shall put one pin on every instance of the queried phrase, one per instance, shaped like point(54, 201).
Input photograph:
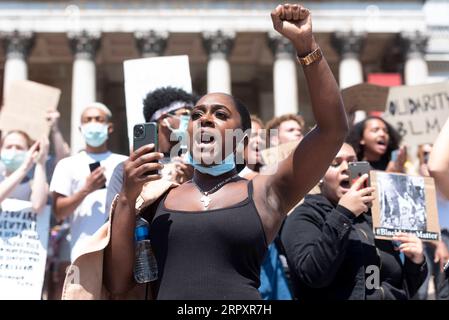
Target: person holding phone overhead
point(210, 234)
point(331, 249)
point(78, 182)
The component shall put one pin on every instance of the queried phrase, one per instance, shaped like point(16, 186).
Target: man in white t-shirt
point(78, 193)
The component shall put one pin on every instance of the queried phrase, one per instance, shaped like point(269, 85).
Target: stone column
point(84, 47)
point(349, 45)
point(17, 46)
point(218, 46)
point(414, 46)
point(285, 78)
point(151, 43)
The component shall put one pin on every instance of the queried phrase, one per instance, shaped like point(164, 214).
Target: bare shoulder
point(180, 190)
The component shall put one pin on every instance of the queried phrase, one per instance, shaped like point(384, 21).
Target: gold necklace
point(205, 199)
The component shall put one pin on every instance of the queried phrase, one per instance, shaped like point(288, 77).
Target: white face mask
point(95, 134)
point(12, 159)
point(183, 124)
point(181, 132)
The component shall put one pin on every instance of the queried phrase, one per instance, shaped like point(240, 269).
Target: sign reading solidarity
point(23, 250)
point(418, 112)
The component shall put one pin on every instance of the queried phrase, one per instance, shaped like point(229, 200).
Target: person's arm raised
point(302, 170)
point(62, 149)
point(39, 193)
point(119, 254)
point(439, 161)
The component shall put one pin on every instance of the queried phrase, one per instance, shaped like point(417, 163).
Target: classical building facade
point(80, 46)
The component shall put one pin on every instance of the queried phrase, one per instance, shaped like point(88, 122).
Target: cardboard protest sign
point(273, 155)
point(404, 203)
point(25, 108)
point(145, 75)
point(23, 250)
point(366, 97)
point(418, 112)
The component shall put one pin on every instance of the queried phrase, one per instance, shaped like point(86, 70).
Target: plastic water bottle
point(145, 265)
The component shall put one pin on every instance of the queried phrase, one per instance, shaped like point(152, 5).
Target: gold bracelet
point(312, 57)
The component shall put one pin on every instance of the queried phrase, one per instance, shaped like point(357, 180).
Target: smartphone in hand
point(144, 134)
point(394, 155)
point(92, 167)
point(358, 169)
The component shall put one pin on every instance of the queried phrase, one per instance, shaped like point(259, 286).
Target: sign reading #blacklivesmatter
point(404, 203)
point(23, 250)
point(25, 108)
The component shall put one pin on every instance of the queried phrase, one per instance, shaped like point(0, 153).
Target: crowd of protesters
point(224, 229)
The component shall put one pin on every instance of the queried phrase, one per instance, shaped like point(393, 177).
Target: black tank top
point(209, 255)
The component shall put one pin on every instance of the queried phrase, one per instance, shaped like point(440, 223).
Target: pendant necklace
point(205, 198)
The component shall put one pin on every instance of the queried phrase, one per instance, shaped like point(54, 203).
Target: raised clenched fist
point(294, 22)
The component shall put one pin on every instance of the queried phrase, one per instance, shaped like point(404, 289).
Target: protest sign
point(418, 112)
point(145, 75)
point(365, 96)
point(404, 203)
point(23, 250)
point(25, 108)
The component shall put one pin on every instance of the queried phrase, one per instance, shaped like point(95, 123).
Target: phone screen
point(394, 155)
point(93, 166)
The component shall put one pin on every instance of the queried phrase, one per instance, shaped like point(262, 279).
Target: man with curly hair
point(170, 108)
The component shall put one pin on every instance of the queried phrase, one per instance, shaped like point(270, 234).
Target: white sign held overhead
point(148, 74)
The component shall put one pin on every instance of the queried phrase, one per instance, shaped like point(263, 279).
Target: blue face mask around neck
point(226, 165)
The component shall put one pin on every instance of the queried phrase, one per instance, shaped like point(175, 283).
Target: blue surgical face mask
point(226, 165)
point(95, 134)
point(12, 159)
point(183, 124)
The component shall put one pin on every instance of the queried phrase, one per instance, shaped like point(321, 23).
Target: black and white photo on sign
point(402, 202)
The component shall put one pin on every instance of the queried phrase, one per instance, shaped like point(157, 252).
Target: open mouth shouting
point(345, 184)
point(381, 145)
point(206, 145)
point(206, 139)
